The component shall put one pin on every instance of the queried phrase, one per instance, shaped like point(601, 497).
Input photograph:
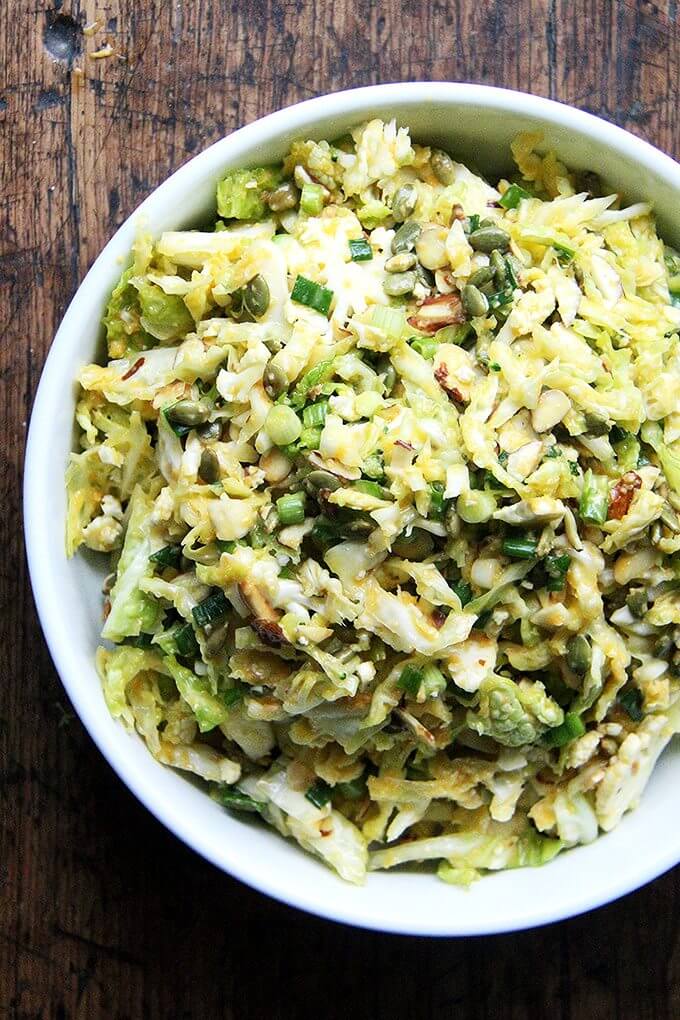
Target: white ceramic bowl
point(476, 123)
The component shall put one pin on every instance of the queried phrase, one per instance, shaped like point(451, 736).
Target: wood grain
point(103, 913)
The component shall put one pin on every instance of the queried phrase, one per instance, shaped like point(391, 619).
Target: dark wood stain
point(102, 912)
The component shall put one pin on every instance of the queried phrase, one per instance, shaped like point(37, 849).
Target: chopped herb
point(572, 728)
point(360, 250)
point(556, 568)
point(168, 556)
point(513, 196)
point(463, 591)
point(311, 294)
point(225, 547)
point(315, 414)
point(139, 640)
point(212, 608)
point(564, 254)
point(291, 508)
point(230, 797)
point(185, 641)
point(353, 789)
point(631, 701)
point(319, 793)
point(437, 501)
point(520, 548)
point(410, 680)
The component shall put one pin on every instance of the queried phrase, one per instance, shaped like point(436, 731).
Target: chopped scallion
point(513, 196)
point(230, 797)
point(631, 701)
point(212, 608)
point(319, 793)
point(425, 346)
point(311, 199)
point(291, 508)
point(556, 568)
point(463, 591)
point(311, 294)
point(437, 501)
point(569, 730)
point(168, 556)
point(410, 680)
point(360, 250)
point(520, 548)
point(185, 641)
point(433, 681)
point(315, 414)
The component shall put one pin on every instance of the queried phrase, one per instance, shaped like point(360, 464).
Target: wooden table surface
point(102, 912)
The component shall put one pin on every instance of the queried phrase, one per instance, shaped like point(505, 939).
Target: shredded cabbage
point(399, 579)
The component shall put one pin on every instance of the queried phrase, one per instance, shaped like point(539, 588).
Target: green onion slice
point(360, 250)
point(311, 294)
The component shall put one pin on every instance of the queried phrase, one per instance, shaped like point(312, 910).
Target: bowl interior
point(476, 124)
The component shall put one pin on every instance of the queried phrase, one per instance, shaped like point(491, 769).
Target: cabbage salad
point(387, 464)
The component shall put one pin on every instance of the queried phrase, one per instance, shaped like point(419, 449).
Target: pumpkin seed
point(188, 412)
point(578, 654)
point(209, 432)
point(274, 381)
point(401, 262)
point(399, 284)
point(417, 546)
point(256, 296)
point(387, 370)
point(442, 166)
point(487, 238)
point(481, 276)
point(497, 263)
point(474, 302)
point(405, 238)
point(404, 202)
point(209, 467)
point(318, 480)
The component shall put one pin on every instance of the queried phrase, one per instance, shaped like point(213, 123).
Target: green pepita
point(399, 284)
point(400, 263)
point(404, 202)
point(405, 237)
point(209, 467)
point(474, 302)
point(442, 166)
point(487, 238)
point(188, 412)
point(274, 381)
point(256, 296)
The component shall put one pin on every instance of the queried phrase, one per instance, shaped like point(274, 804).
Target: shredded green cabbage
point(398, 576)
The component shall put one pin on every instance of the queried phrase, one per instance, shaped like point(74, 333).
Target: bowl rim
point(294, 119)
